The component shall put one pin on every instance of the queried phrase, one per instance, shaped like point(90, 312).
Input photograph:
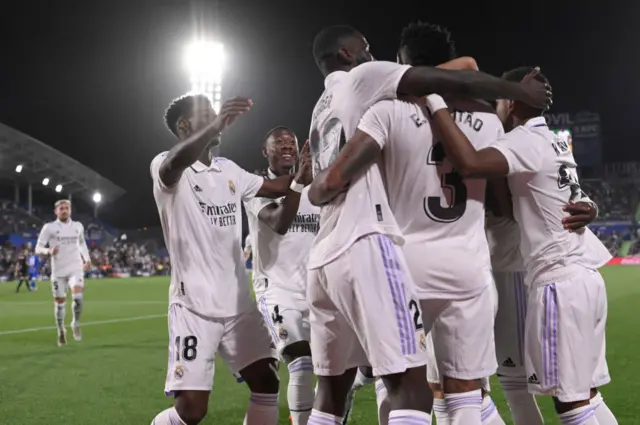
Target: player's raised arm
point(84, 249)
point(43, 241)
point(280, 215)
point(188, 150)
point(423, 80)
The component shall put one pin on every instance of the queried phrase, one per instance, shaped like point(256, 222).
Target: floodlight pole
point(30, 199)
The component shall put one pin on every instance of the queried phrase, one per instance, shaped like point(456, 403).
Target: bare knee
point(60, 300)
point(564, 407)
point(436, 389)
point(456, 386)
point(262, 376)
point(332, 392)
point(409, 390)
point(191, 406)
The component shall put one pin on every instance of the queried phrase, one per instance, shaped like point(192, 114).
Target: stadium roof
point(40, 161)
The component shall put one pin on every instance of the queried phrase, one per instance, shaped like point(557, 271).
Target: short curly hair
point(182, 107)
point(428, 44)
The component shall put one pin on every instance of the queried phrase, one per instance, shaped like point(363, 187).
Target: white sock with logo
point(409, 417)
point(603, 414)
point(60, 311)
point(490, 414)
point(523, 405)
point(262, 410)
point(322, 418)
point(78, 301)
point(300, 394)
point(440, 410)
point(581, 416)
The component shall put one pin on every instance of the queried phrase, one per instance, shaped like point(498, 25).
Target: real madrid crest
point(232, 187)
point(283, 334)
point(423, 342)
point(179, 372)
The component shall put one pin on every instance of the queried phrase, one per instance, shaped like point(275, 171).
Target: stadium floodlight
point(45, 181)
point(205, 63)
point(97, 197)
point(19, 168)
point(59, 188)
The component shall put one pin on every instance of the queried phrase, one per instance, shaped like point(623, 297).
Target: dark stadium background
point(92, 78)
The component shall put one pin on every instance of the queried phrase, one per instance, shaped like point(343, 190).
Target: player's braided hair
point(428, 44)
point(182, 107)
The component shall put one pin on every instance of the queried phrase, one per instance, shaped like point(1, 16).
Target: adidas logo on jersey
point(508, 363)
point(197, 188)
point(533, 379)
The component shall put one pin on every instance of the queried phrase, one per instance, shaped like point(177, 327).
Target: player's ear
point(344, 56)
point(184, 126)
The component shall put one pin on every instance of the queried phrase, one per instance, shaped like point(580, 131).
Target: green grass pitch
point(116, 375)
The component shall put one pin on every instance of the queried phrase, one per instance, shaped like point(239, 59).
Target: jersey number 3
point(451, 182)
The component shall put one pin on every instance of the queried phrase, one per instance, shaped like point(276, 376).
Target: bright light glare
point(97, 197)
point(45, 181)
point(19, 168)
point(205, 63)
point(59, 188)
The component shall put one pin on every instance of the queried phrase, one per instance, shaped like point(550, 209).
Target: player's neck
point(279, 173)
point(66, 220)
point(205, 158)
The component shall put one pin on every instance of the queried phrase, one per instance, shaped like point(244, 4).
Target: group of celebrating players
point(378, 248)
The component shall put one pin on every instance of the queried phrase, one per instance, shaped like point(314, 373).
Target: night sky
point(92, 78)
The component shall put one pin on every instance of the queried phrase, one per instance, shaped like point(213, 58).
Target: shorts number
point(452, 182)
point(417, 321)
point(55, 285)
point(189, 350)
point(276, 317)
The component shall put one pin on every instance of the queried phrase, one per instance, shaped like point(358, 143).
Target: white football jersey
point(69, 238)
point(503, 235)
point(364, 208)
point(543, 179)
point(282, 259)
point(202, 226)
point(438, 211)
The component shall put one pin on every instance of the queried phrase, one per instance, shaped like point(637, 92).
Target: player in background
point(34, 270)
point(210, 307)
point(22, 269)
point(567, 304)
point(283, 231)
point(64, 241)
point(248, 256)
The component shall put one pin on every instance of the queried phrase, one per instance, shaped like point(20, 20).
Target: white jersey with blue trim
point(68, 237)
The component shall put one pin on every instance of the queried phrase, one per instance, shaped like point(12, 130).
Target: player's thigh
point(245, 340)
point(334, 345)
point(372, 287)
point(59, 287)
point(509, 323)
point(562, 348)
point(76, 283)
point(463, 338)
point(193, 343)
point(286, 325)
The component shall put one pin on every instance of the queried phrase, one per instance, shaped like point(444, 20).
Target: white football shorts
point(60, 284)
point(565, 336)
point(462, 332)
point(286, 317)
point(510, 320)
point(363, 311)
point(194, 341)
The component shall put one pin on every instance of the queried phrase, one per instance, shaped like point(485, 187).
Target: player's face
point(63, 212)
point(282, 151)
point(504, 110)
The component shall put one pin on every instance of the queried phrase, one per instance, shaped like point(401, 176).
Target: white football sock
point(77, 308)
point(523, 406)
point(464, 408)
point(168, 417)
point(409, 417)
point(262, 410)
point(603, 414)
point(60, 310)
point(300, 393)
point(440, 410)
point(581, 416)
point(490, 414)
point(320, 418)
point(383, 403)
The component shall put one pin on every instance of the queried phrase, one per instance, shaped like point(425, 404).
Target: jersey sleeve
point(82, 243)
point(155, 173)
point(523, 154)
point(376, 80)
point(43, 240)
point(376, 122)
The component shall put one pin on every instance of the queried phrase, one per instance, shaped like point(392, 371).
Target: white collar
point(63, 223)
point(536, 122)
point(329, 79)
point(199, 167)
